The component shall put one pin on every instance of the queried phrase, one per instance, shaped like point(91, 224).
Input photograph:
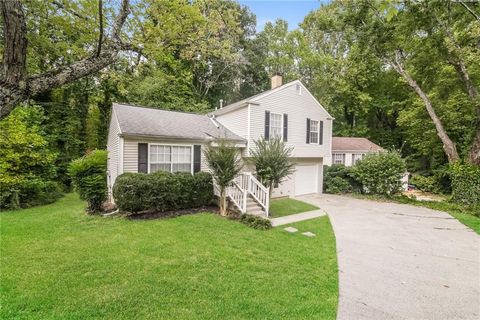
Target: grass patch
point(287, 206)
point(469, 216)
point(59, 263)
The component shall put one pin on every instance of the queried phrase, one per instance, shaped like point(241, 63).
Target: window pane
point(314, 125)
point(313, 137)
point(182, 167)
point(159, 167)
point(276, 126)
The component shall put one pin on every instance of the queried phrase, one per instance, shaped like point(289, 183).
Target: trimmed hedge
point(162, 191)
point(89, 177)
point(465, 183)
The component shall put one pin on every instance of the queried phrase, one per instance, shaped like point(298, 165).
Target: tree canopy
point(404, 74)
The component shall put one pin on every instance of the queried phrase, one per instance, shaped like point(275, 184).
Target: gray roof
point(141, 121)
point(354, 144)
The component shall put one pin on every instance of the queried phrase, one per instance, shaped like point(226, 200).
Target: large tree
point(17, 83)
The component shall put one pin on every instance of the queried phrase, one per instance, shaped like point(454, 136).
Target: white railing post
point(267, 202)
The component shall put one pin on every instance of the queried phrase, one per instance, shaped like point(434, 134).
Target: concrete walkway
point(296, 217)
point(402, 262)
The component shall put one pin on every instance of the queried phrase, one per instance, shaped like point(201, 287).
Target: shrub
point(380, 173)
point(338, 178)
point(162, 191)
point(255, 222)
point(426, 184)
point(465, 184)
point(338, 185)
point(89, 178)
point(28, 193)
point(27, 163)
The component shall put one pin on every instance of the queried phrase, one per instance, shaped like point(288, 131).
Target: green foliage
point(255, 222)
point(465, 184)
point(162, 191)
point(225, 164)
point(27, 163)
point(272, 160)
point(338, 185)
point(89, 177)
point(338, 178)
point(425, 183)
point(380, 173)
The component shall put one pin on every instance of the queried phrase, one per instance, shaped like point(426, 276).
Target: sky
point(291, 10)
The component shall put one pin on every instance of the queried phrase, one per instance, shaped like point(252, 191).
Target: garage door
point(306, 179)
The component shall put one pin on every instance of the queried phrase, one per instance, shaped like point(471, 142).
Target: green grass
point(466, 215)
point(58, 263)
point(287, 206)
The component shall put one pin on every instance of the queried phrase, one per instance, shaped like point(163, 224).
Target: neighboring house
point(147, 140)
point(350, 150)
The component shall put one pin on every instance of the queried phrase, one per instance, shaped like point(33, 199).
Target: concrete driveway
point(402, 262)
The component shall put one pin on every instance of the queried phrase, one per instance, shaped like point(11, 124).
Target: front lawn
point(58, 263)
point(287, 206)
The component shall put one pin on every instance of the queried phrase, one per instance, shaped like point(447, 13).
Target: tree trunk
point(223, 203)
point(448, 145)
point(474, 152)
point(458, 63)
point(16, 87)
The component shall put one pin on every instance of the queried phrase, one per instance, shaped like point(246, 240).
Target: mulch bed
point(170, 214)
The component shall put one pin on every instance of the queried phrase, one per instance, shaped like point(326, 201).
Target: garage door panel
point(306, 179)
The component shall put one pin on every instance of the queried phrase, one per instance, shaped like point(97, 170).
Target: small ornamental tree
point(225, 164)
point(380, 173)
point(89, 177)
point(272, 160)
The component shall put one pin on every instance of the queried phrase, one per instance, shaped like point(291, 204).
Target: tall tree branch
point(100, 22)
point(470, 10)
point(448, 145)
point(15, 86)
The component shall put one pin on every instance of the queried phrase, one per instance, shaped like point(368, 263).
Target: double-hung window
point(339, 158)
point(170, 158)
point(314, 131)
point(276, 125)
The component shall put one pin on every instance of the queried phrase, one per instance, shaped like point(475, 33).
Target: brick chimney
point(276, 80)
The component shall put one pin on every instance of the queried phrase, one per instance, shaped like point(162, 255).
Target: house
point(349, 150)
point(147, 140)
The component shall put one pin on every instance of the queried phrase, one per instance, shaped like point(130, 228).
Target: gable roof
point(354, 144)
point(141, 121)
point(253, 99)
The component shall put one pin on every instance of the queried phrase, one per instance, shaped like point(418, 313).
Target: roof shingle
point(143, 121)
point(354, 144)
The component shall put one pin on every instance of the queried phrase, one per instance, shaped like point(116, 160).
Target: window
point(339, 158)
point(276, 125)
point(170, 158)
point(356, 157)
point(314, 129)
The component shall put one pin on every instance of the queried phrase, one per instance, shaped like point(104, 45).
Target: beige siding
point(236, 121)
point(130, 159)
point(113, 146)
point(299, 107)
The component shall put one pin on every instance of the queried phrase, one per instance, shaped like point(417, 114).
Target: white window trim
point(343, 158)
point(281, 124)
point(171, 145)
point(318, 131)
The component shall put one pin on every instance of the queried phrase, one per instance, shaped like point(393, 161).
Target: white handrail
point(259, 192)
point(243, 185)
point(238, 196)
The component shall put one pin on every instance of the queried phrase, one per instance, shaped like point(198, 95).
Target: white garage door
point(306, 179)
